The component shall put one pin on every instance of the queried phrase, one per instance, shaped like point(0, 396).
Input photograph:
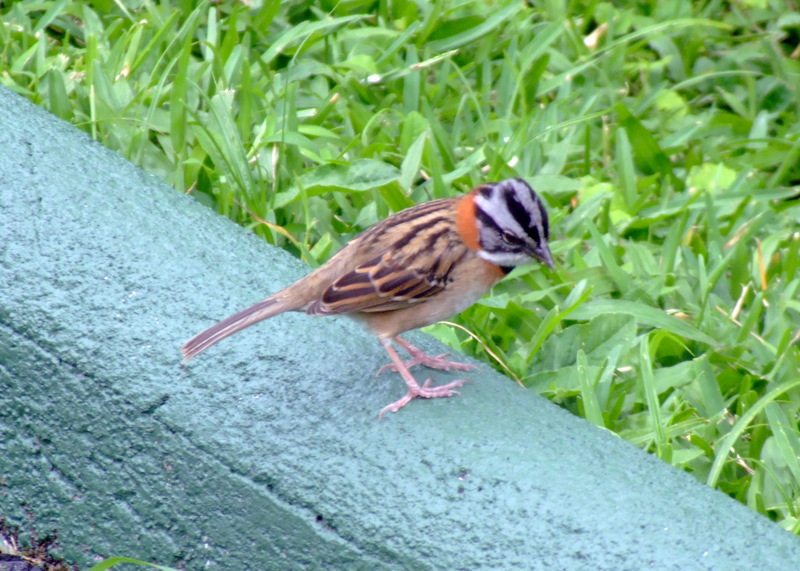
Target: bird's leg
point(414, 389)
point(419, 357)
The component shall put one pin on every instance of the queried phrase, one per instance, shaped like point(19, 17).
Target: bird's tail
point(236, 322)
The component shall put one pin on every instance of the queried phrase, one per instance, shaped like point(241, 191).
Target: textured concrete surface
point(265, 452)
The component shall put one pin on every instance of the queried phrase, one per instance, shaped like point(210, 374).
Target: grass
point(664, 136)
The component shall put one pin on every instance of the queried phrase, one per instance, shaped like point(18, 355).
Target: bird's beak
point(542, 254)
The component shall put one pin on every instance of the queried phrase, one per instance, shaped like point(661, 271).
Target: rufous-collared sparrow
point(416, 267)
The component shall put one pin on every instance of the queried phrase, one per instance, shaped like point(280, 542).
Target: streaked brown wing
point(403, 260)
point(378, 285)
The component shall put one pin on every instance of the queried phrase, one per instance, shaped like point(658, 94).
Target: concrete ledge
point(265, 452)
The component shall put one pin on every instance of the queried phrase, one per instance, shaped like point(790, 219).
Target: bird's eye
point(511, 239)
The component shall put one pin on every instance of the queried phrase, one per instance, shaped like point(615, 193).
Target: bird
point(417, 267)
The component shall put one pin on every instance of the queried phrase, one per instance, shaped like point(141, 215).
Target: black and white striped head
point(512, 224)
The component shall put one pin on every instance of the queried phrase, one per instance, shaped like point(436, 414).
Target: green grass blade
point(725, 444)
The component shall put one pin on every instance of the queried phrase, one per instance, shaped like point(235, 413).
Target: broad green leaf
point(595, 339)
point(472, 33)
point(358, 176)
point(645, 316)
point(410, 167)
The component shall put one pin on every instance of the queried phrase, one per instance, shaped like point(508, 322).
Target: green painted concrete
point(266, 452)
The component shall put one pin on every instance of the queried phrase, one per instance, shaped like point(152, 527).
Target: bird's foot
point(425, 391)
point(419, 357)
point(438, 362)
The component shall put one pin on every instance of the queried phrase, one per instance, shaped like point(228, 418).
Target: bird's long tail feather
point(245, 318)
